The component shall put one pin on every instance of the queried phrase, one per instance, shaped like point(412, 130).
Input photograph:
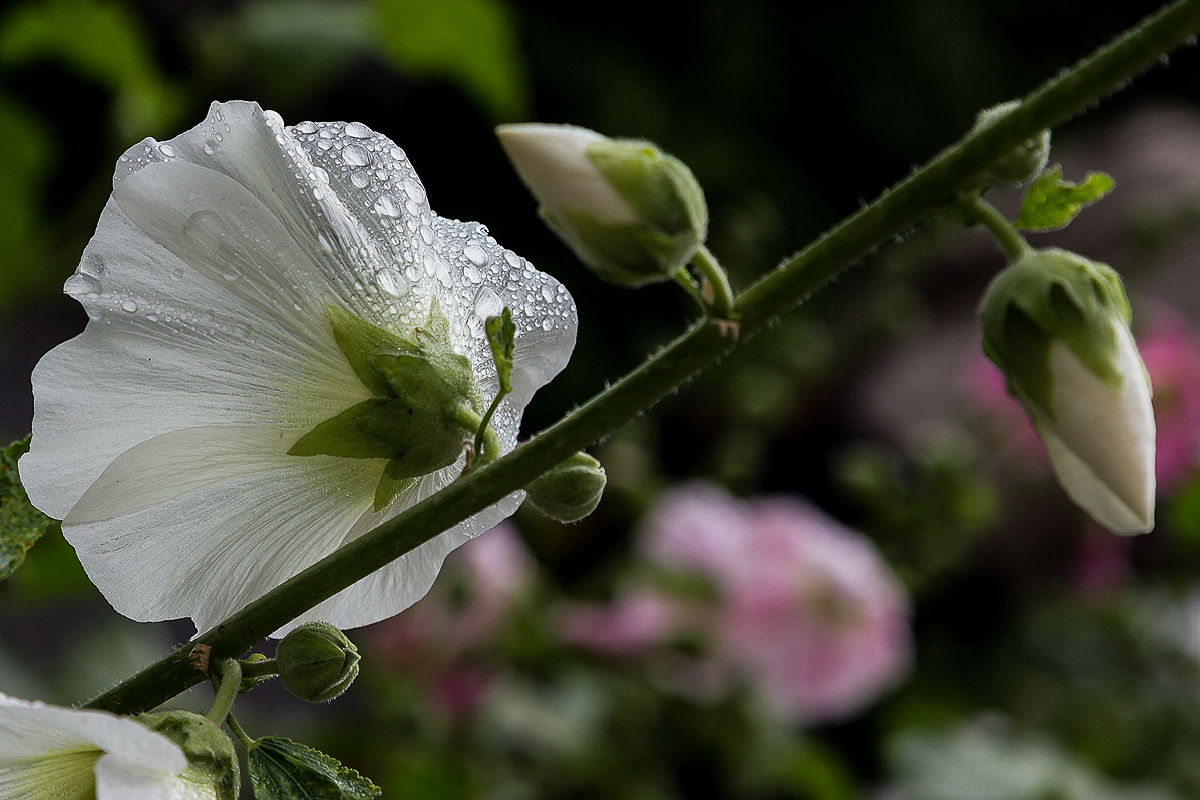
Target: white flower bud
point(632, 213)
point(1057, 325)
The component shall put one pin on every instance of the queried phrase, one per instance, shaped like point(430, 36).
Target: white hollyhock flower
point(161, 433)
point(53, 753)
point(1057, 325)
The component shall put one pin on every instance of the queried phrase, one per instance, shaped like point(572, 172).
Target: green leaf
point(281, 769)
point(20, 523)
point(1052, 202)
point(472, 43)
point(501, 336)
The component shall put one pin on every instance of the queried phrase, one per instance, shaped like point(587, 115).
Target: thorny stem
point(916, 198)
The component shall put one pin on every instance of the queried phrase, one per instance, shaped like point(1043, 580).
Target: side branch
point(913, 200)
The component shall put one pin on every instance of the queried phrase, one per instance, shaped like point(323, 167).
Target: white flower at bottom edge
point(161, 433)
point(54, 753)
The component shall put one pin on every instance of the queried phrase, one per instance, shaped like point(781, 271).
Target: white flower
point(52, 753)
point(1057, 325)
point(161, 434)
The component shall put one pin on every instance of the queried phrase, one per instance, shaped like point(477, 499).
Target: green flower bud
point(570, 491)
point(632, 213)
point(317, 662)
point(1025, 162)
point(1057, 325)
point(212, 761)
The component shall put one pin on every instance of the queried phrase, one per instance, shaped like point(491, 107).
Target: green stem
point(239, 732)
point(685, 280)
point(722, 304)
point(258, 670)
point(227, 680)
point(1006, 233)
point(914, 199)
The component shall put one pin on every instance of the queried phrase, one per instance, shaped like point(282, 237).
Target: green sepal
point(660, 188)
point(627, 253)
point(389, 488)
point(570, 491)
point(1050, 203)
point(281, 769)
point(1045, 296)
point(20, 523)
point(362, 342)
point(501, 336)
point(424, 438)
point(435, 335)
point(341, 435)
point(210, 755)
point(438, 377)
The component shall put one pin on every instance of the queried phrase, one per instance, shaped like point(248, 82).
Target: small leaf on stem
point(281, 769)
point(20, 523)
point(1052, 202)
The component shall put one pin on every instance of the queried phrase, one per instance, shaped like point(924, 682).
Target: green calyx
point(569, 491)
point(316, 662)
point(210, 754)
point(672, 216)
point(1050, 295)
point(425, 406)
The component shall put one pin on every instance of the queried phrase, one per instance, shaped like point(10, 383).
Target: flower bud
point(570, 491)
point(632, 213)
point(1057, 325)
point(1027, 160)
point(212, 761)
point(317, 662)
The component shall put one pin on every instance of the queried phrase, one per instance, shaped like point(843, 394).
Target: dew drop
point(95, 314)
point(547, 294)
point(128, 306)
point(512, 258)
point(81, 284)
point(387, 206)
point(306, 127)
point(475, 254)
point(361, 180)
point(358, 130)
point(392, 282)
point(93, 264)
point(242, 330)
point(472, 274)
point(547, 324)
point(356, 155)
point(193, 193)
point(176, 273)
point(210, 147)
point(167, 150)
point(414, 190)
point(207, 221)
point(488, 303)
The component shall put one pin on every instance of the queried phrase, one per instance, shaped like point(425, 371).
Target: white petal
point(118, 779)
point(1101, 440)
point(552, 161)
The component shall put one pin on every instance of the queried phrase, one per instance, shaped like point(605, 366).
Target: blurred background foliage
point(1052, 659)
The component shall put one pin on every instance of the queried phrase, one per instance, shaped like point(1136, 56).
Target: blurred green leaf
point(20, 523)
point(1052, 202)
point(281, 769)
point(105, 43)
point(25, 160)
point(469, 42)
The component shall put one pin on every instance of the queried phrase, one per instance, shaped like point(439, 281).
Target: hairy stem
point(916, 198)
point(227, 679)
point(1005, 232)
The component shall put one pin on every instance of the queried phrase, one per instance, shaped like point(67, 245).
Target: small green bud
point(1027, 160)
point(212, 761)
point(317, 662)
point(632, 213)
point(1057, 326)
point(570, 491)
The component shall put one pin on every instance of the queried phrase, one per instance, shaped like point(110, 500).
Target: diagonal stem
point(897, 210)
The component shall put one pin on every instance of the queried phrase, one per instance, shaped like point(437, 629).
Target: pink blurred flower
point(1168, 347)
point(807, 608)
point(629, 625)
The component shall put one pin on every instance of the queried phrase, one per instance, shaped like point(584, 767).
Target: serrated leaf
point(501, 336)
point(281, 769)
point(1052, 202)
point(20, 523)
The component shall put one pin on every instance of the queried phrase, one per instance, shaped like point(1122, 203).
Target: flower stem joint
point(317, 662)
point(212, 761)
point(1057, 325)
point(632, 213)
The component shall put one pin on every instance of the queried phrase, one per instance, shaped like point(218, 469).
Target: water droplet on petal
point(96, 314)
point(207, 221)
point(392, 282)
point(361, 180)
point(128, 306)
point(81, 284)
point(356, 155)
point(387, 206)
point(475, 254)
point(414, 190)
point(93, 264)
point(242, 330)
point(358, 130)
point(488, 303)
point(306, 127)
point(167, 150)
